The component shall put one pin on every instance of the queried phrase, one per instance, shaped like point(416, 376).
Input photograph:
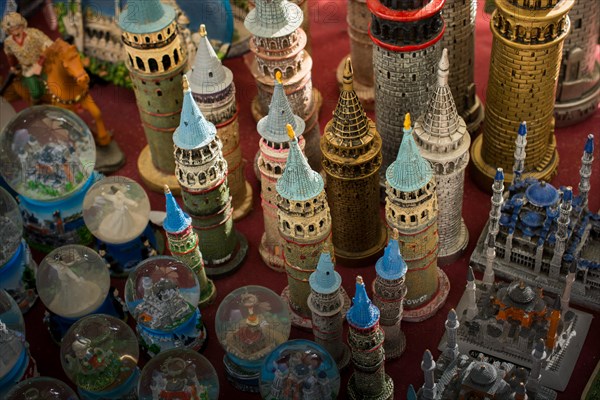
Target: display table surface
point(330, 44)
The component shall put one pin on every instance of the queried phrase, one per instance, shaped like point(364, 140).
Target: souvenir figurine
point(17, 267)
point(250, 322)
point(41, 388)
point(526, 53)
point(73, 281)
point(178, 374)
point(299, 369)
point(99, 354)
point(162, 295)
point(116, 210)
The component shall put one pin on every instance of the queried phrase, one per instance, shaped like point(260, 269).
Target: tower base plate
point(242, 207)
point(474, 117)
point(153, 178)
point(448, 256)
point(229, 266)
point(428, 310)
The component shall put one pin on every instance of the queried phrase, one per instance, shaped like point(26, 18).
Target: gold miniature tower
point(351, 150)
point(526, 57)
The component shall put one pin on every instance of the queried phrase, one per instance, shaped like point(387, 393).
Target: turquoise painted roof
point(194, 131)
point(391, 265)
point(146, 16)
point(325, 279)
point(363, 314)
point(298, 181)
point(273, 18)
point(272, 127)
point(176, 220)
point(410, 171)
point(411, 394)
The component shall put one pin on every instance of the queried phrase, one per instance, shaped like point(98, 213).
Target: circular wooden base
point(305, 322)
point(242, 208)
point(355, 392)
point(222, 269)
point(273, 261)
point(258, 114)
point(360, 259)
point(153, 178)
point(428, 310)
point(474, 117)
point(448, 256)
point(366, 94)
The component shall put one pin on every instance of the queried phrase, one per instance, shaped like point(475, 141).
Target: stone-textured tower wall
point(388, 296)
point(327, 322)
point(361, 45)
point(450, 189)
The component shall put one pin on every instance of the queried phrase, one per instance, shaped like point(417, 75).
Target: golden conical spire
point(278, 77)
point(348, 76)
point(407, 122)
point(290, 132)
point(185, 83)
point(166, 189)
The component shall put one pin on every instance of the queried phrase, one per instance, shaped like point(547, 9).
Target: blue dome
point(542, 194)
point(532, 219)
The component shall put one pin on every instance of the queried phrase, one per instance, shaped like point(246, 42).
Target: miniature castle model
point(351, 150)
point(407, 48)
point(411, 207)
point(326, 303)
point(214, 92)
point(443, 139)
point(156, 59)
point(365, 337)
point(202, 174)
point(277, 44)
point(273, 154)
point(184, 245)
point(526, 53)
point(163, 307)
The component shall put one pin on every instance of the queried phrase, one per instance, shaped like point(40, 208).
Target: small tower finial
point(407, 122)
point(202, 30)
point(348, 75)
point(359, 280)
point(395, 234)
point(290, 131)
point(185, 83)
point(443, 69)
point(278, 77)
point(166, 189)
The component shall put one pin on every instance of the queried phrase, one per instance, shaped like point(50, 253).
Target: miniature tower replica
point(214, 91)
point(326, 302)
point(156, 62)
point(202, 173)
point(451, 353)
point(562, 233)
point(407, 48)
point(351, 150)
point(411, 208)
point(444, 141)
point(566, 295)
point(538, 356)
point(273, 154)
point(471, 293)
point(389, 290)
point(365, 337)
point(578, 91)
point(277, 44)
point(429, 390)
point(526, 53)
point(183, 244)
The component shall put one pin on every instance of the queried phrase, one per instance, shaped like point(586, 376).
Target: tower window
point(159, 36)
point(153, 65)
point(176, 57)
point(140, 64)
point(147, 39)
point(159, 92)
point(166, 62)
point(210, 74)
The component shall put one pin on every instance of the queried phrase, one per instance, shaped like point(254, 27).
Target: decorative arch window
point(140, 64)
point(153, 65)
point(166, 62)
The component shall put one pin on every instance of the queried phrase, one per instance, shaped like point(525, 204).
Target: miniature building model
point(273, 154)
point(407, 48)
point(202, 173)
point(214, 91)
point(411, 208)
point(351, 150)
point(526, 53)
point(443, 139)
point(369, 380)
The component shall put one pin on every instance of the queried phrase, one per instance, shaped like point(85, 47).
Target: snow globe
point(99, 354)
point(299, 369)
point(16, 363)
point(72, 282)
point(162, 294)
point(17, 268)
point(178, 374)
point(41, 388)
point(48, 155)
point(117, 212)
point(250, 322)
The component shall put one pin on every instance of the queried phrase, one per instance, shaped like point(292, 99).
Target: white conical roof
point(208, 75)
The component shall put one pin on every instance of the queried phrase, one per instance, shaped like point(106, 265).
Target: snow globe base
point(25, 368)
point(127, 391)
point(241, 378)
point(17, 277)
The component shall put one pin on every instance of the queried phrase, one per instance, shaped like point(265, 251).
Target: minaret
point(538, 357)
point(351, 150)
point(325, 302)
point(156, 59)
point(555, 317)
point(562, 233)
point(389, 290)
point(271, 160)
point(497, 200)
point(305, 224)
point(569, 280)
point(452, 324)
point(444, 141)
point(202, 174)
point(471, 295)
point(183, 244)
point(428, 390)
point(526, 53)
point(411, 208)
point(214, 91)
point(586, 170)
point(520, 154)
point(365, 337)
point(490, 257)
point(410, 393)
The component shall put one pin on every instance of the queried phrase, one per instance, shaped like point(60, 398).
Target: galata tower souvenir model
point(578, 92)
point(277, 44)
point(406, 36)
point(389, 289)
point(326, 302)
point(444, 141)
point(184, 246)
point(351, 150)
point(156, 59)
point(526, 54)
point(202, 174)
point(214, 91)
point(272, 157)
point(411, 207)
point(365, 337)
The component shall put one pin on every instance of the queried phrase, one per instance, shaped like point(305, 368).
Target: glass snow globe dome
point(175, 372)
point(12, 227)
point(41, 388)
point(73, 281)
point(99, 353)
point(12, 334)
point(306, 364)
point(47, 153)
point(162, 293)
point(116, 210)
point(10, 314)
point(250, 322)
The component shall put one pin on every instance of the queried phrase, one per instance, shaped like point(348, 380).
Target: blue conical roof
point(363, 314)
point(411, 394)
point(325, 279)
point(146, 16)
point(523, 129)
point(272, 127)
point(176, 220)
point(391, 265)
point(589, 144)
point(499, 175)
point(194, 131)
